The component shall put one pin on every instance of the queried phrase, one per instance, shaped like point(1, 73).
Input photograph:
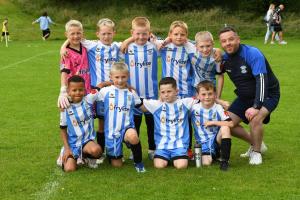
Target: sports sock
point(137, 152)
point(137, 123)
point(225, 149)
point(150, 131)
point(101, 140)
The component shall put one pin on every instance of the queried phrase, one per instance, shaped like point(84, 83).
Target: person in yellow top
point(5, 30)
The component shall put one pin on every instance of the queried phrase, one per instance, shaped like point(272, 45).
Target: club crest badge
point(243, 69)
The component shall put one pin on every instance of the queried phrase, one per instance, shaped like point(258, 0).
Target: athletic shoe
point(139, 167)
point(224, 165)
point(101, 159)
point(190, 154)
point(59, 161)
point(43, 38)
point(80, 161)
point(255, 158)
point(150, 154)
point(263, 149)
point(272, 42)
point(283, 42)
point(91, 163)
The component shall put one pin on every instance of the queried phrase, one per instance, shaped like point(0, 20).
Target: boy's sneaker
point(150, 154)
point(283, 42)
point(255, 158)
point(263, 149)
point(139, 167)
point(80, 161)
point(101, 159)
point(224, 165)
point(190, 154)
point(91, 163)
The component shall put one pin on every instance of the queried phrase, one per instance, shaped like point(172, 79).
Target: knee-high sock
point(101, 140)
point(137, 152)
point(225, 148)
point(150, 131)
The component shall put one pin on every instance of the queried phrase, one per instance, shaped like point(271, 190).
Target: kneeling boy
point(211, 126)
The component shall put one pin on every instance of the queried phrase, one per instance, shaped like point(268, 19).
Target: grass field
point(30, 141)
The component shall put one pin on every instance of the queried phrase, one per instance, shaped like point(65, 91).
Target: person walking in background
point(276, 23)
point(268, 19)
point(44, 21)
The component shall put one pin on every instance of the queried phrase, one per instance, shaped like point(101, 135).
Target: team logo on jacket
point(243, 69)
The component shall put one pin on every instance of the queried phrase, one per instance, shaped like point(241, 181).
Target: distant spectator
point(268, 20)
point(44, 21)
point(5, 32)
point(276, 24)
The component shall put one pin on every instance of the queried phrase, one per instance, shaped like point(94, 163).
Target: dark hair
point(227, 29)
point(168, 80)
point(76, 79)
point(207, 85)
point(45, 14)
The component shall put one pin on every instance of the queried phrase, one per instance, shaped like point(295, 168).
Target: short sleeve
point(93, 96)
point(189, 102)
point(222, 113)
point(88, 44)
point(152, 105)
point(65, 64)
point(137, 99)
point(63, 118)
point(190, 48)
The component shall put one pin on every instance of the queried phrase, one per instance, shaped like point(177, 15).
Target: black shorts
point(46, 32)
point(3, 33)
point(277, 28)
point(240, 105)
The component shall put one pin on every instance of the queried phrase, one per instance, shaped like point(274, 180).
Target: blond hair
point(73, 23)
point(119, 67)
point(140, 22)
point(180, 24)
point(204, 36)
point(106, 22)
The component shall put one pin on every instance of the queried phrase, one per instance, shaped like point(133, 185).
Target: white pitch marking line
point(25, 60)
point(51, 187)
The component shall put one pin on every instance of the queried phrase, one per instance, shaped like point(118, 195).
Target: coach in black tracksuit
point(257, 89)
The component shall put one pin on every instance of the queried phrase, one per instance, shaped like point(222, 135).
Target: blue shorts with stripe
point(171, 154)
point(210, 146)
point(114, 147)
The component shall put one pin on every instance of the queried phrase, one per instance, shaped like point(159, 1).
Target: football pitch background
point(30, 140)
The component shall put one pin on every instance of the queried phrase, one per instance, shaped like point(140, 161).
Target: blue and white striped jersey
point(200, 115)
point(79, 121)
point(142, 64)
point(171, 129)
point(118, 110)
point(176, 63)
point(204, 68)
point(101, 57)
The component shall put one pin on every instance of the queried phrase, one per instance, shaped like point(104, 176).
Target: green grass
point(30, 141)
